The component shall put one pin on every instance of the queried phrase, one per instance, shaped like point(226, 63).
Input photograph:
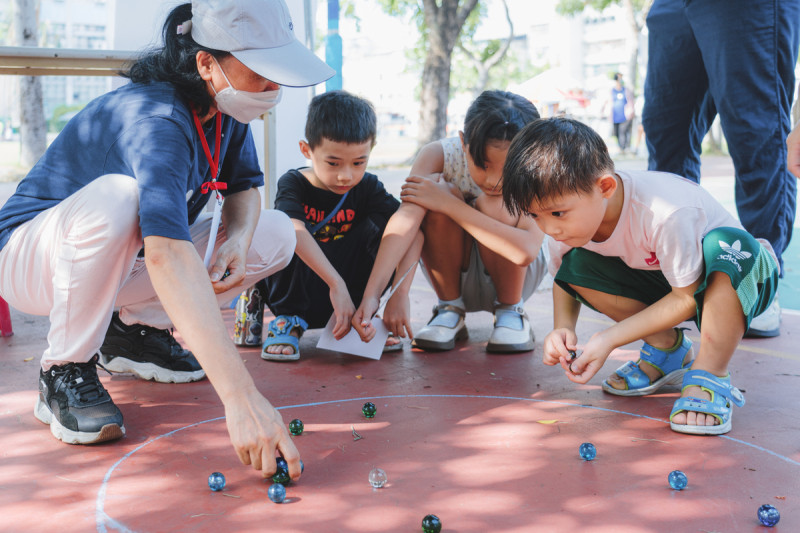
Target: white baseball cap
point(259, 34)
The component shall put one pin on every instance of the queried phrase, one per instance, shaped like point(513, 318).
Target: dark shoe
point(76, 405)
point(149, 353)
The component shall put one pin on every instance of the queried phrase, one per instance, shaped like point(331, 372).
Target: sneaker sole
point(149, 371)
point(106, 433)
point(761, 333)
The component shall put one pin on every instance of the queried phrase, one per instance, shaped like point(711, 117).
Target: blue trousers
point(735, 58)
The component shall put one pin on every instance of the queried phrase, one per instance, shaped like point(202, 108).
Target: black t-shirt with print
point(299, 199)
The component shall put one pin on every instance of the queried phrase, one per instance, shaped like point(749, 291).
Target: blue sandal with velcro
point(669, 364)
point(279, 332)
point(719, 406)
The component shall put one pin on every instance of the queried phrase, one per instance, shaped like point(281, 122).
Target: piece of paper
point(352, 343)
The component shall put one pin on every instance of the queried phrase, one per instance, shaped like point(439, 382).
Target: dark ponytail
point(176, 62)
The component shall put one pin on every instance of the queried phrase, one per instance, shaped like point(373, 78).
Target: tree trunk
point(33, 129)
point(434, 98)
point(444, 26)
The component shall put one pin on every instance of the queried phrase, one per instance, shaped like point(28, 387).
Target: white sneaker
point(768, 323)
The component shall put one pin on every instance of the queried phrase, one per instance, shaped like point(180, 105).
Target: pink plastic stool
point(5, 319)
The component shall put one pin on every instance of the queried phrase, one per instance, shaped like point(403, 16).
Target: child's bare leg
point(618, 308)
point(507, 277)
point(443, 254)
point(722, 327)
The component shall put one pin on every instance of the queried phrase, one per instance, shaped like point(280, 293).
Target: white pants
point(77, 261)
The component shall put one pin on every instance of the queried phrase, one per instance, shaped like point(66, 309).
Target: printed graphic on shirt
point(335, 228)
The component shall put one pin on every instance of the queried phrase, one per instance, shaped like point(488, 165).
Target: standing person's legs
point(625, 135)
point(674, 117)
point(750, 52)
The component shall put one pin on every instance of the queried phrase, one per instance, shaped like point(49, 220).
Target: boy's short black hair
point(340, 117)
point(495, 116)
point(552, 157)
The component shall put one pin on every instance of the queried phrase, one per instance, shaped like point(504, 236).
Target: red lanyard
point(213, 162)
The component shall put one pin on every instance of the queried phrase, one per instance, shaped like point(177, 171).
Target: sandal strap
point(284, 324)
point(509, 316)
point(665, 361)
point(720, 411)
point(446, 315)
point(633, 376)
point(719, 388)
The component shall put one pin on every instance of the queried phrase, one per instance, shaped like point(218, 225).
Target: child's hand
point(427, 193)
point(362, 319)
point(396, 315)
point(557, 345)
point(594, 356)
point(343, 310)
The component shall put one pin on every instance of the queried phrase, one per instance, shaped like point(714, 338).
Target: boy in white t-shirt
point(649, 250)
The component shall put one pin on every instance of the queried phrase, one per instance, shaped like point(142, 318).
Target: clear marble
point(377, 478)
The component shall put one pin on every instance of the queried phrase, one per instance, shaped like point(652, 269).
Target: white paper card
point(352, 343)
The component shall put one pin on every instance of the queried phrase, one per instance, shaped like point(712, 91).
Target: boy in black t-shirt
point(339, 212)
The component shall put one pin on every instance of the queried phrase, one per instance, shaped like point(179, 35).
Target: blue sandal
point(669, 364)
point(719, 406)
point(278, 332)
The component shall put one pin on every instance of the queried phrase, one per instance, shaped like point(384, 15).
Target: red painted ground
point(486, 442)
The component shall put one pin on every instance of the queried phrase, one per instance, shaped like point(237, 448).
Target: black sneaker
point(149, 353)
point(76, 405)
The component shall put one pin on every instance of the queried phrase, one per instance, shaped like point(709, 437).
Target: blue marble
point(587, 451)
point(677, 480)
point(281, 463)
point(216, 481)
point(282, 470)
point(768, 515)
point(369, 409)
point(431, 524)
point(276, 492)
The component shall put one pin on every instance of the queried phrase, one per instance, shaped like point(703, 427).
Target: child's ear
point(607, 184)
point(461, 136)
point(305, 149)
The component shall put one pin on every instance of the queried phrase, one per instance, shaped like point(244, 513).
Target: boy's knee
point(735, 242)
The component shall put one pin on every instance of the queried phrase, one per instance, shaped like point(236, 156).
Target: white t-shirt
point(663, 221)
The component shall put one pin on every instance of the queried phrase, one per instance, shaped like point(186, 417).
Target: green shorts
point(751, 267)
